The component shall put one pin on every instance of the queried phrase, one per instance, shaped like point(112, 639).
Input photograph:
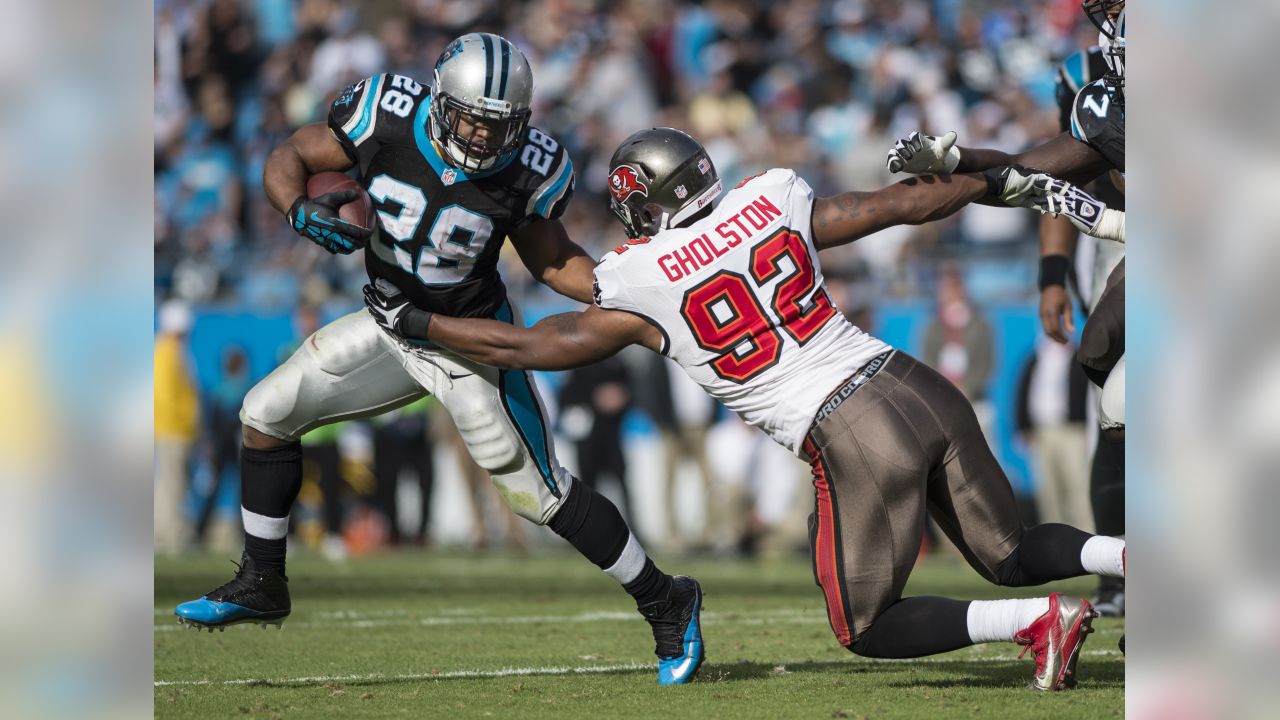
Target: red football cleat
point(1055, 639)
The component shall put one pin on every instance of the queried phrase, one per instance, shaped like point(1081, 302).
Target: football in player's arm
point(543, 245)
point(570, 340)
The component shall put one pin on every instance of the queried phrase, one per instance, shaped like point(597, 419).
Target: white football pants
point(352, 368)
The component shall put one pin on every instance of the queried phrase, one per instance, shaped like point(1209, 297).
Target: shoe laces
point(1037, 643)
point(245, 579)
point(667, 628)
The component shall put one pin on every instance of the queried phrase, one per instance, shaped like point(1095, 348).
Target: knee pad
point(529, 496)
point(272, 401)
point(1111, 399)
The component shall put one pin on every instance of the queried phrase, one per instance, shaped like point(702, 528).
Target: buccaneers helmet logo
point(624, 181)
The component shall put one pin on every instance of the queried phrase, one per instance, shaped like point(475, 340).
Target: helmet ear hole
point(649, 217)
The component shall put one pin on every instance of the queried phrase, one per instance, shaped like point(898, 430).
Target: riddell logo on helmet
point(624, 182)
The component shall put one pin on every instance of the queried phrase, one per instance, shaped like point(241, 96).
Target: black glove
point(317, 220)
point(393, 311)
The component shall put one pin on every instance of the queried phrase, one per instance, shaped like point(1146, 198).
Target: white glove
point(1090, 215)
point(1014, 185)
point(921, 154)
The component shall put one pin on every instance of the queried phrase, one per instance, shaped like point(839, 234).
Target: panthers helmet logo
point(624, 182)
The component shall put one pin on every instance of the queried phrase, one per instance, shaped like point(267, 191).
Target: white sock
point(1000, 620)
point(629, 563)
point(267, 528)
point(1102, 555)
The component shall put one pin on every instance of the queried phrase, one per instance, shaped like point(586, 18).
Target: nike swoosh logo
point(315, 218)
point(679, 671)
point(459, 375)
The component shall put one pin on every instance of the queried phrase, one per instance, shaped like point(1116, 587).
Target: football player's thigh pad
point(471, 394)
point(520, 458)
point(345, 369)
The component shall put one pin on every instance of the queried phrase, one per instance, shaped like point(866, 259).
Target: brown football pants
point(1102, 339)
point(905, 443)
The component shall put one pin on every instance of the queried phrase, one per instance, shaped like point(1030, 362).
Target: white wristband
point(1110, 226)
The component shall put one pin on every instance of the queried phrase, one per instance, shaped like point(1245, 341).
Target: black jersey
point(1097, 120)
point(1079, 69)
point(440, 229)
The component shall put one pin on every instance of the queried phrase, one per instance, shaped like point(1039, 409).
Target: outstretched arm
point(545, 248)
point(558, 342)
point(1063, 156)
point(846, 217)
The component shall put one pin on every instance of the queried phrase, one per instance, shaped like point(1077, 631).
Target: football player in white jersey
point(732, 291)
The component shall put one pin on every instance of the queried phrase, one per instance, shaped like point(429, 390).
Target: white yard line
point(363, 620)
point(780, 667)
point(451, 675)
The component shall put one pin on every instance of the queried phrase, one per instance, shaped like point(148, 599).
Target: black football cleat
point(251, 596)
point(677, 631)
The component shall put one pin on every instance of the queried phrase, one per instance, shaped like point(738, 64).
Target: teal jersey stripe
point(522, 405)
point(1076, 131)
point(1075, 69)
point(543, 206)
point(367, 110)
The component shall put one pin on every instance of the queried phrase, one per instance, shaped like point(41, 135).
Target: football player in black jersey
point(453, 170)
point(1093, 146)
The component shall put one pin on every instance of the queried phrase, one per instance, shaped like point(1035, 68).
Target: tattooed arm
point(558, 342)
point(846, 217)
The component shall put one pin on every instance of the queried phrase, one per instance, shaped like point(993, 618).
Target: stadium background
point(822, 87)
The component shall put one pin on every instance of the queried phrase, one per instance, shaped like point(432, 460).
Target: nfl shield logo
point(448, 176)
point(681, 192)
point(704, 166)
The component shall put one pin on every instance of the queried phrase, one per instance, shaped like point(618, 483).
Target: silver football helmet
point(658, 179)
point(480, 104)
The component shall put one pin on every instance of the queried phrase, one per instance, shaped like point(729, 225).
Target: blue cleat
point(251, 596)
point(677, 631)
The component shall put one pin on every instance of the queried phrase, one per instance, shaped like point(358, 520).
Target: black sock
point(269, 484)
point(1047, 552)
point(594, 527)
point(650, 586)
point(915, 627)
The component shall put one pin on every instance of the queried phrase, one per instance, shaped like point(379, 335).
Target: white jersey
point(742, 305)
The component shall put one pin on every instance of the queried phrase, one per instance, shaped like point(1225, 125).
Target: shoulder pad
point(776, 180)
point(773, 176)
point(1089, 113)
point(543, 172)
point(1074, 73)
point(379, 107)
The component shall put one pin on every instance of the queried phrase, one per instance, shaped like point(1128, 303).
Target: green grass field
point(419, 635)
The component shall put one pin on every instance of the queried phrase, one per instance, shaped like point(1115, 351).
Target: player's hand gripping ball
point(335, 214)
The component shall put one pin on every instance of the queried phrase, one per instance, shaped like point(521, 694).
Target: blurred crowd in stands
point(823, 87)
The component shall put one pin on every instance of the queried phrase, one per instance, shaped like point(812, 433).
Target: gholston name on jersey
point(703, 250)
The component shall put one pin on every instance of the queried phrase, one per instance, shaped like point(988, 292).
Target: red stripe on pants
point(824, 547)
